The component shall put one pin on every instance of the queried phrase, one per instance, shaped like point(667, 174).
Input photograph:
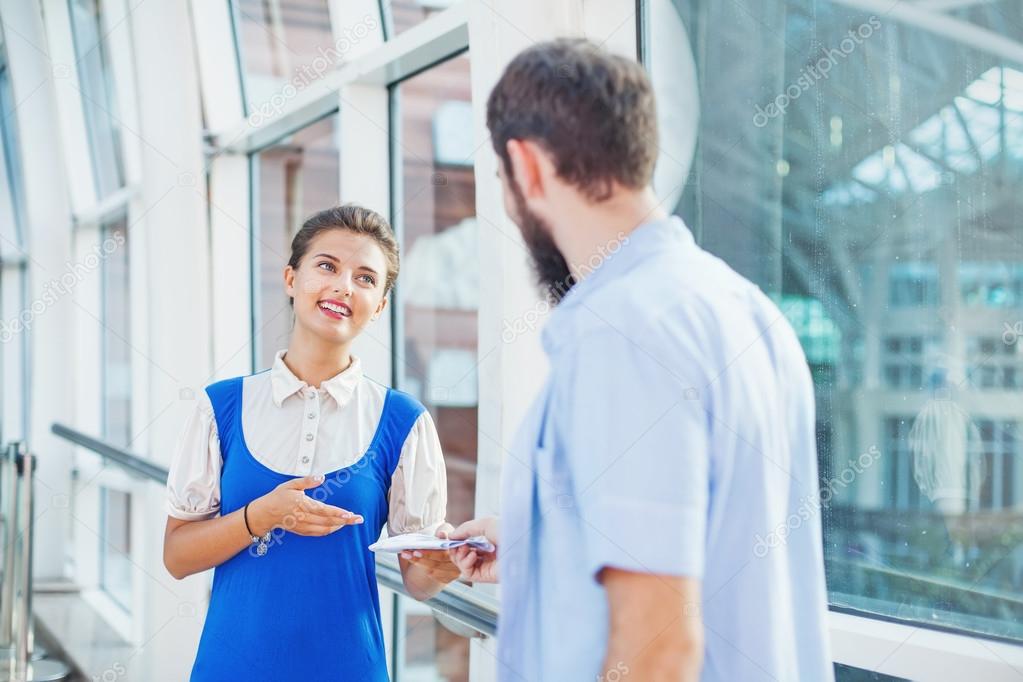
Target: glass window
point(867, 166)
point(283, 42)
point(404, 14)
point(995, 362)
point(912, 285)
point(13, 262)
point(99, 97)
point(993, 284)
point(293, 179)
point(115, 546)
point(997, 443)
point(437, 298)
point(845, 673)
point(115, 331)
point(11, 200)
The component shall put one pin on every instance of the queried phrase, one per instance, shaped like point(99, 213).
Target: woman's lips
point(336, 310)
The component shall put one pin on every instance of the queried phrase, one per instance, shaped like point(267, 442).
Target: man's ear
point(531, 167)
point(289, 281)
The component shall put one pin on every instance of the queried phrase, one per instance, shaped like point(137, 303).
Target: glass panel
point(116, 335)
point(99, 97)
point(281, 42)
point(407, 13)
point(862, 171)
point(845, 673)
point(438, 295)
point(115, 545)
point(13, 364)
point(429, 652)
point(11, 199)
point(293, 179)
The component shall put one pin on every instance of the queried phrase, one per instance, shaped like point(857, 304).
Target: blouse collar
point(340, 387)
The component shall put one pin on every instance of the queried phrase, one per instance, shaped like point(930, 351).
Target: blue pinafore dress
point(308, 609)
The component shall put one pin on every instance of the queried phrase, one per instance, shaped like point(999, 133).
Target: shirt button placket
point(308, 444)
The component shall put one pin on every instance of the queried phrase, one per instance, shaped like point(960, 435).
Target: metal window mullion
point(436, 39)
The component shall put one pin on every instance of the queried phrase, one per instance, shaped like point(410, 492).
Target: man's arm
point(656, 628)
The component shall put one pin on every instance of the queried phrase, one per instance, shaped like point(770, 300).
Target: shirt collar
point(340, 387)
point(647, 239)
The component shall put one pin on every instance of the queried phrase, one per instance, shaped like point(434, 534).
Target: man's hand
point(437, 564)
point(476, 566)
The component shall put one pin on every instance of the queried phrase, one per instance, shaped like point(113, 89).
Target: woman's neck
point(314, 361)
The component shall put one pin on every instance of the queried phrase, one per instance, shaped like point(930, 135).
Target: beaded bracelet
point(262, 543)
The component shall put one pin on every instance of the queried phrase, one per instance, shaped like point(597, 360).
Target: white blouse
point(299, 430)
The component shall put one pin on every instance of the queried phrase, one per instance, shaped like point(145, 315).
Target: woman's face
point(338, 286)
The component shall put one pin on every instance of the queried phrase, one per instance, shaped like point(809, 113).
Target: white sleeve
point(419, 487)
point(193, 486)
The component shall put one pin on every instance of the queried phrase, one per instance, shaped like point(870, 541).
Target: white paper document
point(414, 541)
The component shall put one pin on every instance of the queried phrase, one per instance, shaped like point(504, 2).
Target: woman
point(283, 479)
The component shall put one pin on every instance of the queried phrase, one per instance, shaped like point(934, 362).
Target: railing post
point(23, 572)
point(8, 534)
point(18, 484)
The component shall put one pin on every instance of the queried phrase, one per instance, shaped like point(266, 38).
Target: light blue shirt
point(675, 436)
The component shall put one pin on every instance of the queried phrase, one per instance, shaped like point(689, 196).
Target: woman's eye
point(329, 265)
point(368, 279)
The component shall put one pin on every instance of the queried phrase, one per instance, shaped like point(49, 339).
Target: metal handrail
point(457, 601)
point(126, 460)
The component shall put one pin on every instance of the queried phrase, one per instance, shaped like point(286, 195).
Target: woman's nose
point(343, 286)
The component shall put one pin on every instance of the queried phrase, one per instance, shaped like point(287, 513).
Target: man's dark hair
point(593, 111)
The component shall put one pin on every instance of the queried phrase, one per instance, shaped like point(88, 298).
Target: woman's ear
point(289, 281)
point(380, 308)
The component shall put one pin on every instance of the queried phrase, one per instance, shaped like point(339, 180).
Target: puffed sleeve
point(419, 487)
point(193, 486)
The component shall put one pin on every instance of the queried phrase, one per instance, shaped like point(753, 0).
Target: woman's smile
point(335, 309)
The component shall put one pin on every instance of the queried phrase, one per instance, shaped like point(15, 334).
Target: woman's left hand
point(436, 563)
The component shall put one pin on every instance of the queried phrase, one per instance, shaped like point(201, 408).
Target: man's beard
point(549, 266)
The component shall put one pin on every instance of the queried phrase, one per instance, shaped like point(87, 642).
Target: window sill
point(920, 653)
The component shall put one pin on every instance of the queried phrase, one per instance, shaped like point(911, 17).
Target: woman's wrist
point(259, 524)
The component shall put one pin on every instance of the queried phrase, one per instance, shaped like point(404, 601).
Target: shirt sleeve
point(635, 432)
point(419, 487)
point(193, 486)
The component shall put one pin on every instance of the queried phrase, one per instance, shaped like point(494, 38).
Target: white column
point(172, 299)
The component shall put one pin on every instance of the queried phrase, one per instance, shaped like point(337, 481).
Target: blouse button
point(305, 460)
point(309, 436)
point(311, 415)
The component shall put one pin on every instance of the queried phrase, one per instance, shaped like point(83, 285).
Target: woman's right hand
point(288, 507)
